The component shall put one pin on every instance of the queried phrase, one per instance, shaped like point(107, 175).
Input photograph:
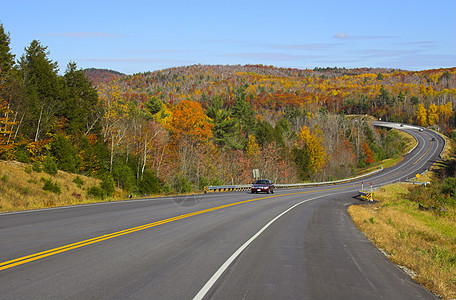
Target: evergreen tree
point(6, 57)
point(11, 88)
point(225, 129)
point(81, 99)
point(282, 128)
point(243, 112)
point(264, 133)
point(154, 105)
point(65, 154)
point(43, 90)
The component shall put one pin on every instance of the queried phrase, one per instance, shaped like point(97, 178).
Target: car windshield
point(261, 182)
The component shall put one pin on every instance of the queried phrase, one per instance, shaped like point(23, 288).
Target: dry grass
point(21, 188)
point(418, 240)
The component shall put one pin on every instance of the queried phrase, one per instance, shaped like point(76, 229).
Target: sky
point(140, 36)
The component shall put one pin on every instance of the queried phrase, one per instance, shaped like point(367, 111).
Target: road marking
point(210, 283)
point(36, 256)
point(83, 205)
point(423, 154)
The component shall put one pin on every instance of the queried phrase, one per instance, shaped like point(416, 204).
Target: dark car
point(262, 185)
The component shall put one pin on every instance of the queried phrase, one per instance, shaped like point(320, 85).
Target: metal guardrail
point(246, 187)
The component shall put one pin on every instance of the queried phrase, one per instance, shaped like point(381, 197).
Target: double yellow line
point(36, 256)
point(423, 154)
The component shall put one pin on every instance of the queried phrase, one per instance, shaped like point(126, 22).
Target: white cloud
point(345, 36)
point(341, 35)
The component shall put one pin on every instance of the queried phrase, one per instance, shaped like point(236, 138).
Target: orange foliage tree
point(6, 127)
point(369, 155)
point(189, 120)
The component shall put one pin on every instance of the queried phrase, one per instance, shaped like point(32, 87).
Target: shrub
point(149, 184)
point(4, 178)
point(37, 167)
point(96, 191)
point(181, 184)
point(51, 186)
point(449, 186)
point(107, 184)
point(124, 176)
point(28, 169)
point(204, 181)
point(79, 182)
point(21, 153)
point(105, 189)
point(50, 166)
point(65, 154)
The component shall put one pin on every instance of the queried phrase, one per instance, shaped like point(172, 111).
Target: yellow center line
point(36, 256)
point(423, 154)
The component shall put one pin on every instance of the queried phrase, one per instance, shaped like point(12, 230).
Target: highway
point(293, 244)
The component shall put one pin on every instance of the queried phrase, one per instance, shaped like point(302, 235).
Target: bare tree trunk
point(112, 154)
point(161, 160)
point(38, 125)
point(144, 157)
point(11, 129)
point(92, 125)
point(18, 126)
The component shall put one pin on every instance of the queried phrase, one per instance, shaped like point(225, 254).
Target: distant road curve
point(295, 244)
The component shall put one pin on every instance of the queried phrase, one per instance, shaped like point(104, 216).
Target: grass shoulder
point(416, 227)
point(25, 187)
point(420, 240)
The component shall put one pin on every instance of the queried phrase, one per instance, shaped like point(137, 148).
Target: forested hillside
point(182, 128)
point(97, 76)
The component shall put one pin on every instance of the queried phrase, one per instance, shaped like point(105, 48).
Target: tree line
point(180, 129)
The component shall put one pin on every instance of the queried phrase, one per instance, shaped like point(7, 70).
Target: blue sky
point(139, 36)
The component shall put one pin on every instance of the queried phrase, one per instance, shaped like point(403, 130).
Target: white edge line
point(80, 205)
point(230, 260)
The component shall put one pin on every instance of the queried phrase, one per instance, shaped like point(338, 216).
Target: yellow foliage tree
point(433, 114)
point(313, 143)
point(445, 112)
point(253, 151)
point(164, 116)
point(422, 115)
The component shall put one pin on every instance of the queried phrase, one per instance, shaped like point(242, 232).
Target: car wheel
point(268, 191)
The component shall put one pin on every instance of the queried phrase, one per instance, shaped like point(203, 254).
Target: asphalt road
point(294, 244)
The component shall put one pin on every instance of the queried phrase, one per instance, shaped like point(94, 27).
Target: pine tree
point(43, 90)
point(81, 100)
point(6, 57)
point(224, 129)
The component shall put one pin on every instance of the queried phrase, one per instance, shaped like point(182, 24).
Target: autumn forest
point(182, 128)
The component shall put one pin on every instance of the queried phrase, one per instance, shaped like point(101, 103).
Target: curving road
point(295, 244)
